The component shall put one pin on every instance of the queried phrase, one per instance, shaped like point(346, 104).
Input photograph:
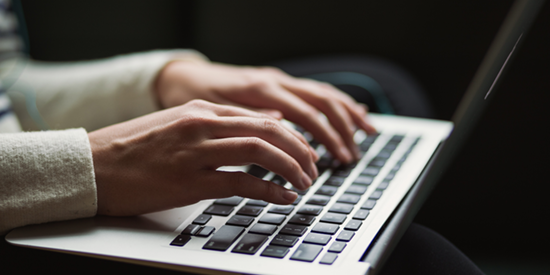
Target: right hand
point(169, 158)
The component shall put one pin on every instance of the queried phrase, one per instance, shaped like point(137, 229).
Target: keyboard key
point(180, 240)
point(370, 171)
point(310, 210)
point(318, 200)
point(191, 229)
point(342, 171)
point(257, 202)
point(233, 201)
point(298, 200)
point(329, 258)
point(315, 238)
point(353, 225)
point(357, 189)
point(250, 210)
point(396, 167)
point(325, 228)
point(275, 251)
point(202, 219)
point(306, 252)
point(337, 247)
point(205, 231)
point(397, 138)
point(219, 210)
point(240, 220)
point(284, 240)
point(302, 219)
point(223, 239)
point(369, 204)
point(345, 236)
point(390, 147)
point(343, 208)
point(335, 181)
point(383, 185)
point(324, 163)
point(384, 154)
point(361, 214)
point(363, 180)
point(370, 139)
point(390, 176)
point(349, 198)
point(334, 218)
point(326, 190)
point(298, 191)
point(376, 195)
point(264, 229)
point(250, 244)
point(376, 162)
point(281, 209)
point(294, 229)
point(257, 171)
point(272, 218)
point(278, 180)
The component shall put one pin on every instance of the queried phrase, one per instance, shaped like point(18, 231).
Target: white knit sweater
point(49, 176)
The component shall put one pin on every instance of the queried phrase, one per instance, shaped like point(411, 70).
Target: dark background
point(492, 203)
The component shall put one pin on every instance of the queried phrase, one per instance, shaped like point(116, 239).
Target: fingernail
point(306, 181)
point(315, 171)
point(314, 154)
point(346, 153)
point(356, 152)
point(290, 196)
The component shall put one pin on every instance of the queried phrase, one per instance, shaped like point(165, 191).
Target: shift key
point(224, 238)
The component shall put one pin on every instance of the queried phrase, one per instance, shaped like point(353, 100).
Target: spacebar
point(223, 239)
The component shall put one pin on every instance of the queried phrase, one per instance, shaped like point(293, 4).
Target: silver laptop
point(348, 222)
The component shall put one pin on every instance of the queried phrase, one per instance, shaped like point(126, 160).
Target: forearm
point(94, 94)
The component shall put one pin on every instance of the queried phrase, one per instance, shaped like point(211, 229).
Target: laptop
point(348, 222)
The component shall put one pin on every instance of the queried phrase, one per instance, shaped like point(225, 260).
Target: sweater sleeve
point(45, 176)
point(49, 176)
point(93, 94)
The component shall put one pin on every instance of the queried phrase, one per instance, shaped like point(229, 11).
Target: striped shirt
point(10, 50)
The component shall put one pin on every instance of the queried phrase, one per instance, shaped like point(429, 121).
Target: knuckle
point(295, 166)
point(253, 146)
point(256, 84)
point(193, 123)
point(271, 126)
point(198, 103)
point(272, 70)
point(311, 114)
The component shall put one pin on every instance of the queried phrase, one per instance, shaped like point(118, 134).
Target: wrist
point(170, 82)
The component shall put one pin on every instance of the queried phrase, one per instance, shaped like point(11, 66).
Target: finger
point(358, 111)
point(300, 136)
point(272, 131)
point(251, 150)
point(360, 118)
point(225, 110)
point(300, 112)
point(226, 184)
point(338, 116)
point(270, 112)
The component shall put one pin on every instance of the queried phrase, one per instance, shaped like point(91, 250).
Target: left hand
point(271, 91)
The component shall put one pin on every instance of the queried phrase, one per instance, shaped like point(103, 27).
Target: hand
point(169, 158)
point(271, 91)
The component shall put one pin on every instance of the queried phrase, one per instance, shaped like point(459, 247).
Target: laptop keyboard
point(272, 230)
